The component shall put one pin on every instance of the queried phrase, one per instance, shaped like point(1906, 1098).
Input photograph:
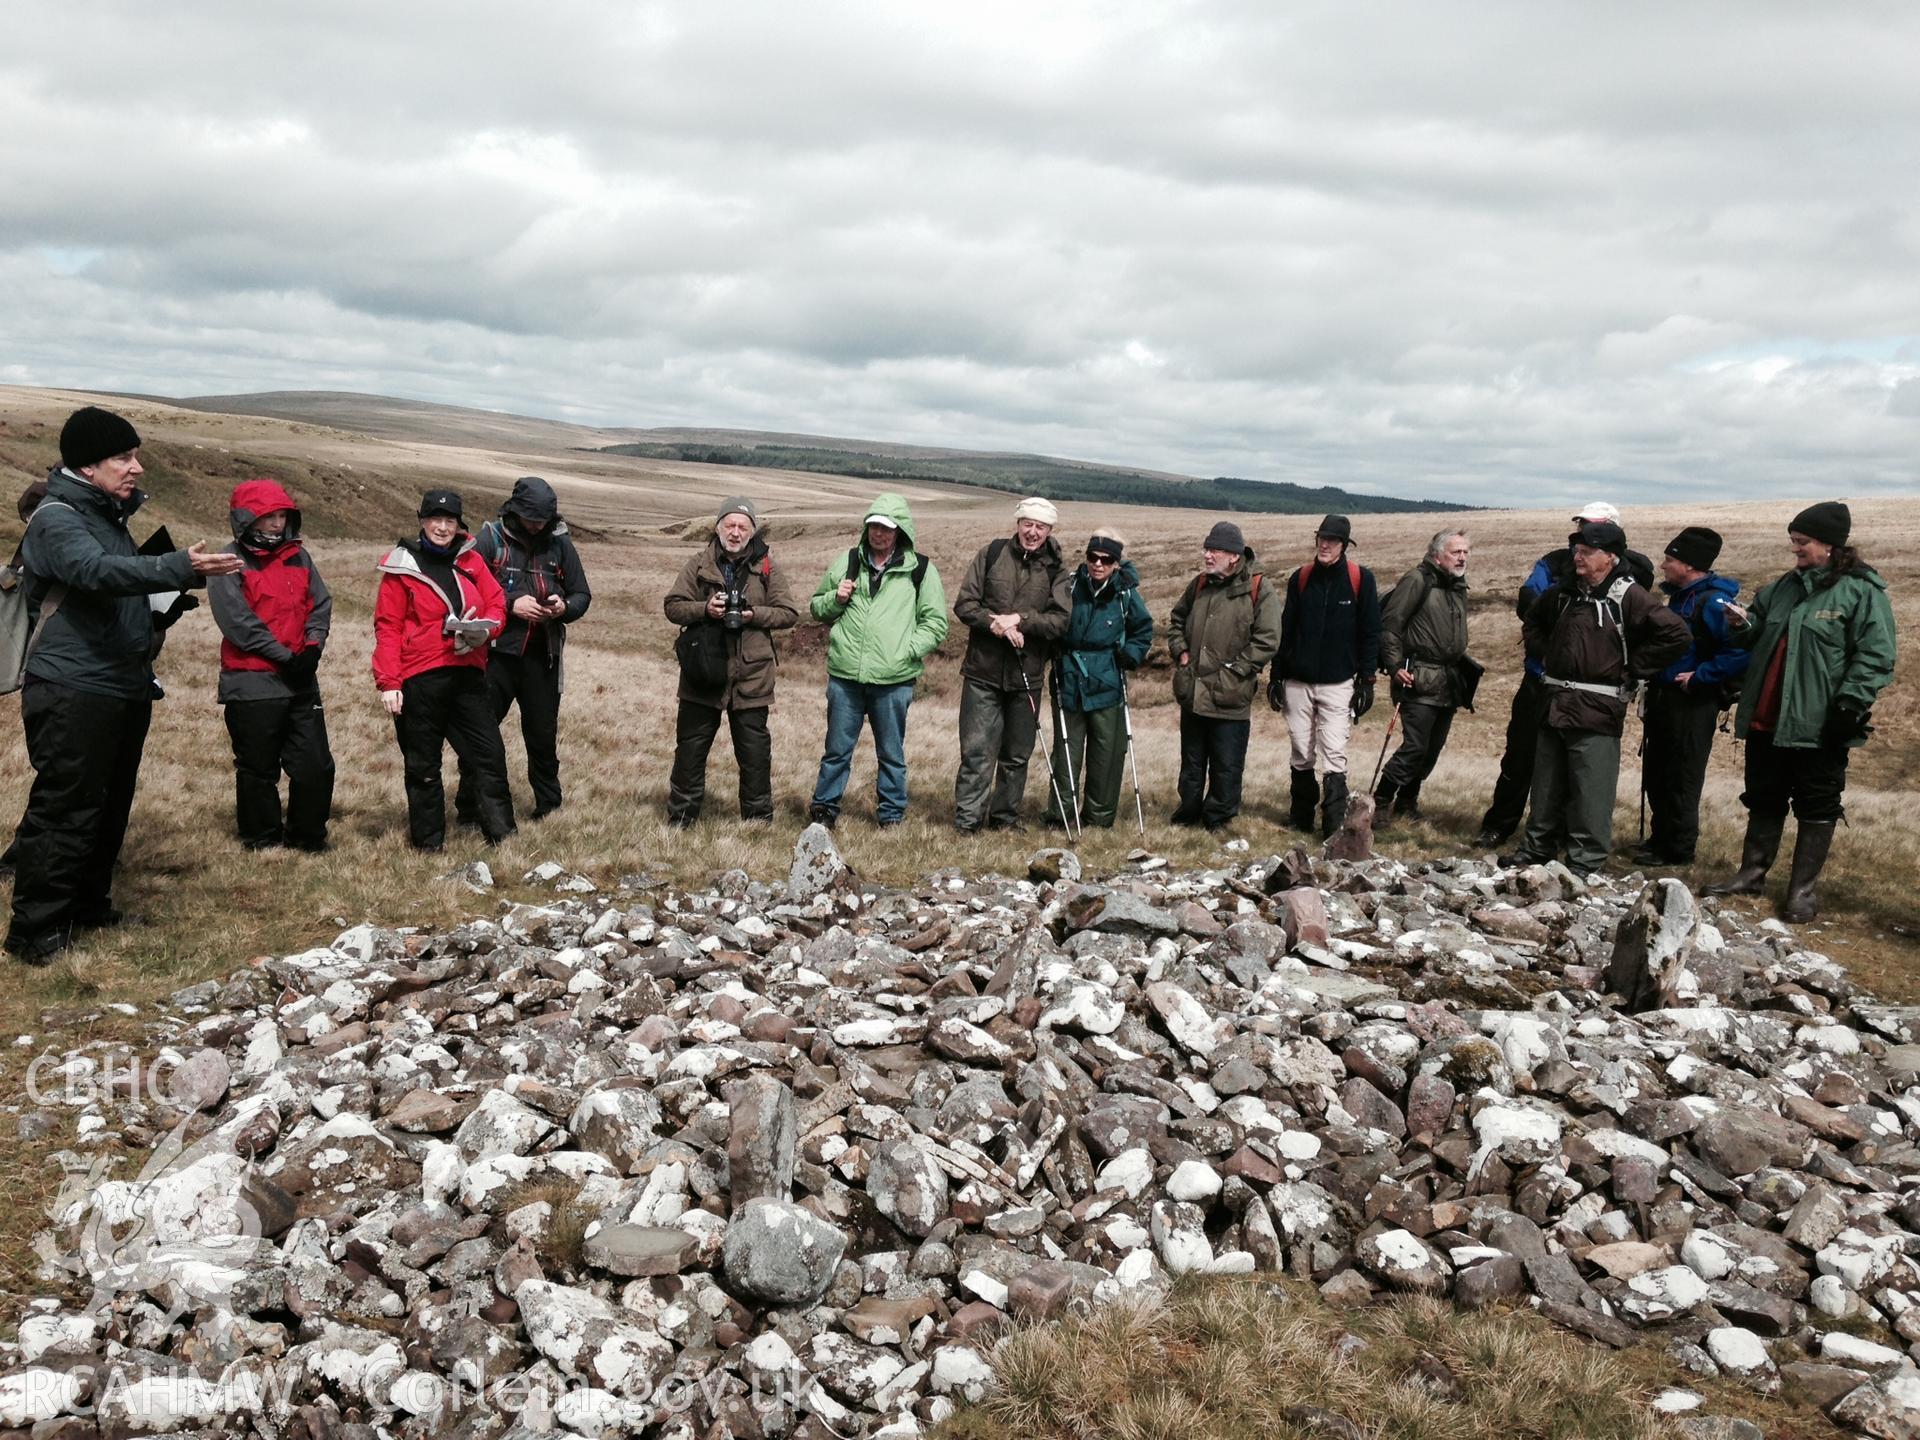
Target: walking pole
point(1033, 703)
point(1066, 753)
point(1126, 715)
point(1385, 740)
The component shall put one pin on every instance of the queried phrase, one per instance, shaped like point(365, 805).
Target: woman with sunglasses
point(1108, 632)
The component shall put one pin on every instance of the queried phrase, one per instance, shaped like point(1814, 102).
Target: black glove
point(1845, 723)
point(299, 672)
point(1362, 695)
point(170, 617)
point(1276, 691)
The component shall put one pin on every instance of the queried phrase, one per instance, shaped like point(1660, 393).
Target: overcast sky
point(1482, 252)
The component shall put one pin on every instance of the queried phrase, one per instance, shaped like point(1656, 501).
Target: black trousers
point(269, 737)
point(1423, 735)
point(1510, 791)
point(85, 751)
point(693, 735)
point(1213, 760)
point(1679, 732)
point(1812, 781)
point(533, 681)
point(451, 706)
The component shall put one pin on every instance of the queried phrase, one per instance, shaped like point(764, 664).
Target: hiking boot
point(1303, 800)
point(1756, 857)
point(99, 917)
point(37, 949)
point(1383, 800)
point(1333, 803)
point(1810, 848)
point(1490, 839)
point(818, 814)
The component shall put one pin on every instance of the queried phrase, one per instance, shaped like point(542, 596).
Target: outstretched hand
point(212, 562)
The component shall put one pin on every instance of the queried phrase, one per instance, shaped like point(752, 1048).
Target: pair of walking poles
point(1070, 816)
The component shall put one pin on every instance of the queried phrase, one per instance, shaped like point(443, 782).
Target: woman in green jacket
point(1108, 633)
point(1823, 649)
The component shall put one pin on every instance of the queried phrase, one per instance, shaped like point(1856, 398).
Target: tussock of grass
point(1234, 1360)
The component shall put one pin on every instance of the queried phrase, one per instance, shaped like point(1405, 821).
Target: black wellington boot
point(1756, 858)
point(1810, 848)
point(1306, 795)
point(1333, 803)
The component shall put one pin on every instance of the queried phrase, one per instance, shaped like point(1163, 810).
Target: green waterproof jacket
point(1108, 631)
point(886, 630)
point(1839, 648)
point(1228, 634)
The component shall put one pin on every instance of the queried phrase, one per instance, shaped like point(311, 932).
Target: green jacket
point(1004, 579)
point(883, 633)
point(1228, 636)
point(101, 639)
point(1839, 647)
point(1423, 628)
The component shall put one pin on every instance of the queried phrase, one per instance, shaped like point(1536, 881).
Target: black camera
point(731, 618)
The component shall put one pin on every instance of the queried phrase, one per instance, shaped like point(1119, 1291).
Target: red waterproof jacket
point(410, 613)
point(279, 589)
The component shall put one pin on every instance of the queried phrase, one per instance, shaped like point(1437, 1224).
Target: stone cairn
point(763, 1161)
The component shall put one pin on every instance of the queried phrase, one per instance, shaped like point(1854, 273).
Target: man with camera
point(539, 570)
point(730, 598)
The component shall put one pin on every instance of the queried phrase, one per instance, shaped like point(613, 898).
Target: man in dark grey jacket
point(533, 557)
point(86, 697)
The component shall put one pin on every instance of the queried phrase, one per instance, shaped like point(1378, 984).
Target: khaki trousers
point(1319, 718)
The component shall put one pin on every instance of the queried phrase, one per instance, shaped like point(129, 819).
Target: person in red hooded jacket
point(274, 617)
point(437, 611)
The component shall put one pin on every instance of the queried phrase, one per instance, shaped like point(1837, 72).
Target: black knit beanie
point(1829, 522)
point(1696, 547)
point(92, 435)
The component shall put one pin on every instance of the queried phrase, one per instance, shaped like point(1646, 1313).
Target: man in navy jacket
point(1685, 701)
point(1323, 676)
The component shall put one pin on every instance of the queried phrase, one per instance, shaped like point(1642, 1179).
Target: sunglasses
point(1094, 557)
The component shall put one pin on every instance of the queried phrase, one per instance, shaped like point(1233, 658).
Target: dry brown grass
point(207, 905)
point(1232, 1360)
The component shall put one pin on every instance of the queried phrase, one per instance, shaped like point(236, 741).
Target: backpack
point(1193, 587)
point(919, 566)
point(1725, 693)
point(17, 636)
point(1353, 578)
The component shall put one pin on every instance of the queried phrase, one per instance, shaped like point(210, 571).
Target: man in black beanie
point(86, 695)
point(1684, 700)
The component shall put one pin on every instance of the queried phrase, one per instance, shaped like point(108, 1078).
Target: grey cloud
point(1397, 247)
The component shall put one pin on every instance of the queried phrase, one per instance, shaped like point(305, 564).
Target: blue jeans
point(885, 708)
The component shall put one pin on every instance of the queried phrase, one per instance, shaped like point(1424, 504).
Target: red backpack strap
point(766, 567)
point(1257, 578)
point(1353, 577)
point(1300, 580)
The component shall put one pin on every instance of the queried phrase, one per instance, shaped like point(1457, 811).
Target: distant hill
point(1027, 475)
point(420, 421)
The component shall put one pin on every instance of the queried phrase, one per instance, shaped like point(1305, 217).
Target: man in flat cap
point(1684, 700)
point(1596, 634)
point(86, 695)
point(1323, 676)
point(1014, 602)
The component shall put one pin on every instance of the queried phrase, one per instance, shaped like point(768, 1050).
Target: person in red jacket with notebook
point(436, 613)
point(274, 617)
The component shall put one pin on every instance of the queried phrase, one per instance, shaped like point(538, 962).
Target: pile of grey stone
point(784, 1160)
